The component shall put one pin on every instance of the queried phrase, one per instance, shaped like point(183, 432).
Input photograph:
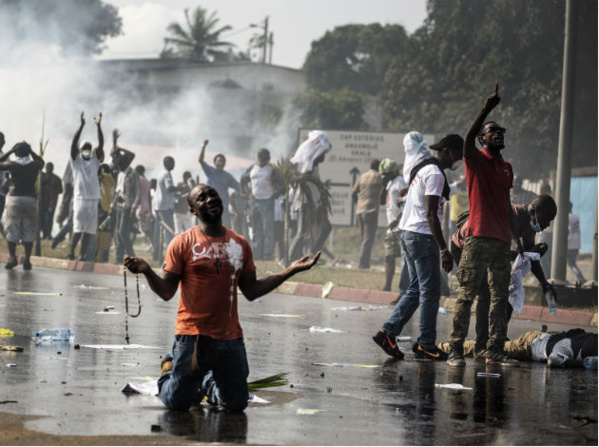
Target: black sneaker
point(388, 344)
point(26, 264)
point(12, 262)
point(456, 358)
point(500, 358)
point(428, 353)
point(480, 354)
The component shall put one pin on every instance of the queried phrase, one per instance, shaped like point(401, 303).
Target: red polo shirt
point(489, 181)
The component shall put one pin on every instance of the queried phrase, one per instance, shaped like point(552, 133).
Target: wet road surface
point(379, 402)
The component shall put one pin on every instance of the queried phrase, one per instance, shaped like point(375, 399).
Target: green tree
point(466, 46)
point(78, 27)
point(355, 56)
point(334, 109)
point(199, 39)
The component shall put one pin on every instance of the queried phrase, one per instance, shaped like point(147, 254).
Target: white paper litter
point(315, 329)
point(360, 308)
point(131, 346)
point(452, 386)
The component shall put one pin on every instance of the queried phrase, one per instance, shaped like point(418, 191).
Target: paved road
point(78, 392)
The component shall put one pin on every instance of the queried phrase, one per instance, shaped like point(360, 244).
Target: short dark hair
point(546, 205)
point(219, 155)
point(374, 164)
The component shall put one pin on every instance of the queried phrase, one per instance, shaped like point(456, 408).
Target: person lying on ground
point(564, 349)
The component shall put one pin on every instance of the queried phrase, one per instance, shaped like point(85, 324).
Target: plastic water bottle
point(590, 363)
point(550, 299)
point(60, 334)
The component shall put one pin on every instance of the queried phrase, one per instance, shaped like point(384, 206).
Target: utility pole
point(564, 152)
point(270, 44)
point(265, 40)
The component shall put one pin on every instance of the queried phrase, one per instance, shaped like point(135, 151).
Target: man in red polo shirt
point(486, 252)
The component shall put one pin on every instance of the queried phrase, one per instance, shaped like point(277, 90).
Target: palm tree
point(199, 41)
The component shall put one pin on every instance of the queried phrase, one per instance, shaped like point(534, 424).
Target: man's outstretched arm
point(253, 288)
point(75, 142)
point(164, 287)
point(470, 140)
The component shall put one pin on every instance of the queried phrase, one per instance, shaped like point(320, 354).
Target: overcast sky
point(295, 24)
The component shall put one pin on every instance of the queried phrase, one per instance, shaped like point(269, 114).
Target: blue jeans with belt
point(225, 385)
point(421, 254)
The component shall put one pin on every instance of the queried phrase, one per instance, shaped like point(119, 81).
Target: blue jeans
point(421, 254)
point(226, 385)
point(263, 227)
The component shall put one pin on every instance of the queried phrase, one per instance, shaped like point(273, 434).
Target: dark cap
point(451, 141)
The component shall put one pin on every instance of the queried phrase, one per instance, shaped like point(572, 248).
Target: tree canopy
point(76, 26)
point(333, 109)
point(355, 56)
point(199, 39)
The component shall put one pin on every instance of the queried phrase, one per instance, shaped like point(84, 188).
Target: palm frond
point(269, 382)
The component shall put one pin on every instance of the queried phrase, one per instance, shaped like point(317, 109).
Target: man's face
point(169, 164)
point(219, 163)
point(542, 218)
point(492, 136)
point(86, 152)
point(206, 204)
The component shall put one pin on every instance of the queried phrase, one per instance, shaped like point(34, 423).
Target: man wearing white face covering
point(85, 162)
point(20, 217)
point(422, 244)
point(311, 195)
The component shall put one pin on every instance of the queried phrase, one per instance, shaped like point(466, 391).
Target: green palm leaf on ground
point(268, 382)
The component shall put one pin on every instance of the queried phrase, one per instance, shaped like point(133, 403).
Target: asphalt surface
point(76, 394)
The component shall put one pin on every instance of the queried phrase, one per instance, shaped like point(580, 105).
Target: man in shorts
point(85, 162)
point(20, 216)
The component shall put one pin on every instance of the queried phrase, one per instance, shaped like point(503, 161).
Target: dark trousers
point(123, 234)
point(368, 223)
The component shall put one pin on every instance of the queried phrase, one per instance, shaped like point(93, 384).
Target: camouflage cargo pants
point(483, 259)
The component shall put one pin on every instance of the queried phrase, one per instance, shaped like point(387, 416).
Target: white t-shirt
point(393, 189)
point(260, 179)
point(86, 183)
point(163, 199)
point(428, 182)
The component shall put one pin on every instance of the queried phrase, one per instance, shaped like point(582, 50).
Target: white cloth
point(520, 268)
point(23, 161)
point(561, 352)
point(163, 199)
point(416, 149)
point(393, 209)
point(538, 348)
point(86, 184)
point(317, 144)
point(120, 180)
point(85, 215)
point(280, 209)
point(428, 182)
point(260, 180)
point(573, 232)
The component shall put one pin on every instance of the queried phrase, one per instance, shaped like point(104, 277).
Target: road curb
point(534, 313)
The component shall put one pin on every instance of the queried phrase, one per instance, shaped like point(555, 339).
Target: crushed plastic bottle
point(6, 333)
point(590, 363)
point(550, 299)
point(60, 334)
point(442, 311)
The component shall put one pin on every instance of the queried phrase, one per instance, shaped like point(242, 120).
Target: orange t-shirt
point(210, 269)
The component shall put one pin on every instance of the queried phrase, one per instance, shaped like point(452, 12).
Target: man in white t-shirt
point(422, 244)
point(85, 162)
point(262, 182)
